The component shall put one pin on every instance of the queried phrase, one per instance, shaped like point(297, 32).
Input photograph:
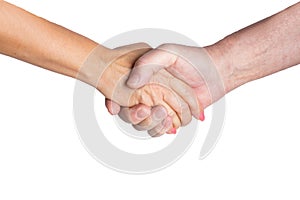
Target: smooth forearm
point(37, 41)
point(259, 50)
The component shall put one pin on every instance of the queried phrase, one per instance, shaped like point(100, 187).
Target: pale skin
point(259, 50)
point(249, 54)
point(32, 39)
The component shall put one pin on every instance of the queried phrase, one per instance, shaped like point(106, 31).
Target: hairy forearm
point(37, 41)
point(261, 49)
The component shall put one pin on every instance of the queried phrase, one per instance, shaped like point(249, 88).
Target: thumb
point(147, 65)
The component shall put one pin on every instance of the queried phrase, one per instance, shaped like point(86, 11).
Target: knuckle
point(139, 128)
point(143, 45)
point(157, 131)
point(166, 46)
point(187, 119)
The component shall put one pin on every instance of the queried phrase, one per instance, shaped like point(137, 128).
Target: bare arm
point(32, 39)
point(37, 41)
point(261, 49)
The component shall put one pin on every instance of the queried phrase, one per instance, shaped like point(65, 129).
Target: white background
point(41, 156)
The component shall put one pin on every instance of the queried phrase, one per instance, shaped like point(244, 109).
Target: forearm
point(259, 50)
point(37, 41)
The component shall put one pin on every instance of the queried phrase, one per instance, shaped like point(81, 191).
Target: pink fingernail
point(173, 130)
point(202, 117)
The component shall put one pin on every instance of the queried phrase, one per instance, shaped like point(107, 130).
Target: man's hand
point(182, 62)
point(162, 88)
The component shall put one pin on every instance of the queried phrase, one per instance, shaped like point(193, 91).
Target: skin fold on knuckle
point(154, 94)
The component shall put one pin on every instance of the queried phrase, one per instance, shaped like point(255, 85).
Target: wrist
point(107, 69)
point(221, 55)
point(94, 65)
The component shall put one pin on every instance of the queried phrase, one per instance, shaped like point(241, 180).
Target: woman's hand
point(192, 65)
point(37, 41)
point(162, 89)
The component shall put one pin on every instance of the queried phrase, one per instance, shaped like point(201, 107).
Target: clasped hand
point(157, 90)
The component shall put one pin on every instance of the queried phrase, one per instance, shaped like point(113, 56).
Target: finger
point(155, 60)
point(112, 107)
point(130, 53)
point(161, 128)
point(189, 96)
point(147, 65)
point(131, 47)
point(158, 114)
point(176, 121)
point(136, 114)
point(180, 107)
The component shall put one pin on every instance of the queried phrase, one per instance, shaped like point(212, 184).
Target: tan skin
point(32, 39)
point(259, 50)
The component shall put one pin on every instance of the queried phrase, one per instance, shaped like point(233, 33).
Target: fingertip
point(136, 114)
point(202, 116)
point(133, 80)
point(139, 76)
point(173, 131)
point(142, 112)
point(112, 107)
point(115, 110)
point(159, 113)
point(162, 128)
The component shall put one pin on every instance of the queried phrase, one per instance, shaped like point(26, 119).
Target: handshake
point(157, 90)
point(160, 89)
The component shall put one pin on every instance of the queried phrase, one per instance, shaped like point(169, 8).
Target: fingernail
point(173, 130)
point(134, 80)
point(160, 114)
point(202, 116)
point(141, 114)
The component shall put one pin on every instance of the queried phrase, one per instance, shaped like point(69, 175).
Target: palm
point(187, 72)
